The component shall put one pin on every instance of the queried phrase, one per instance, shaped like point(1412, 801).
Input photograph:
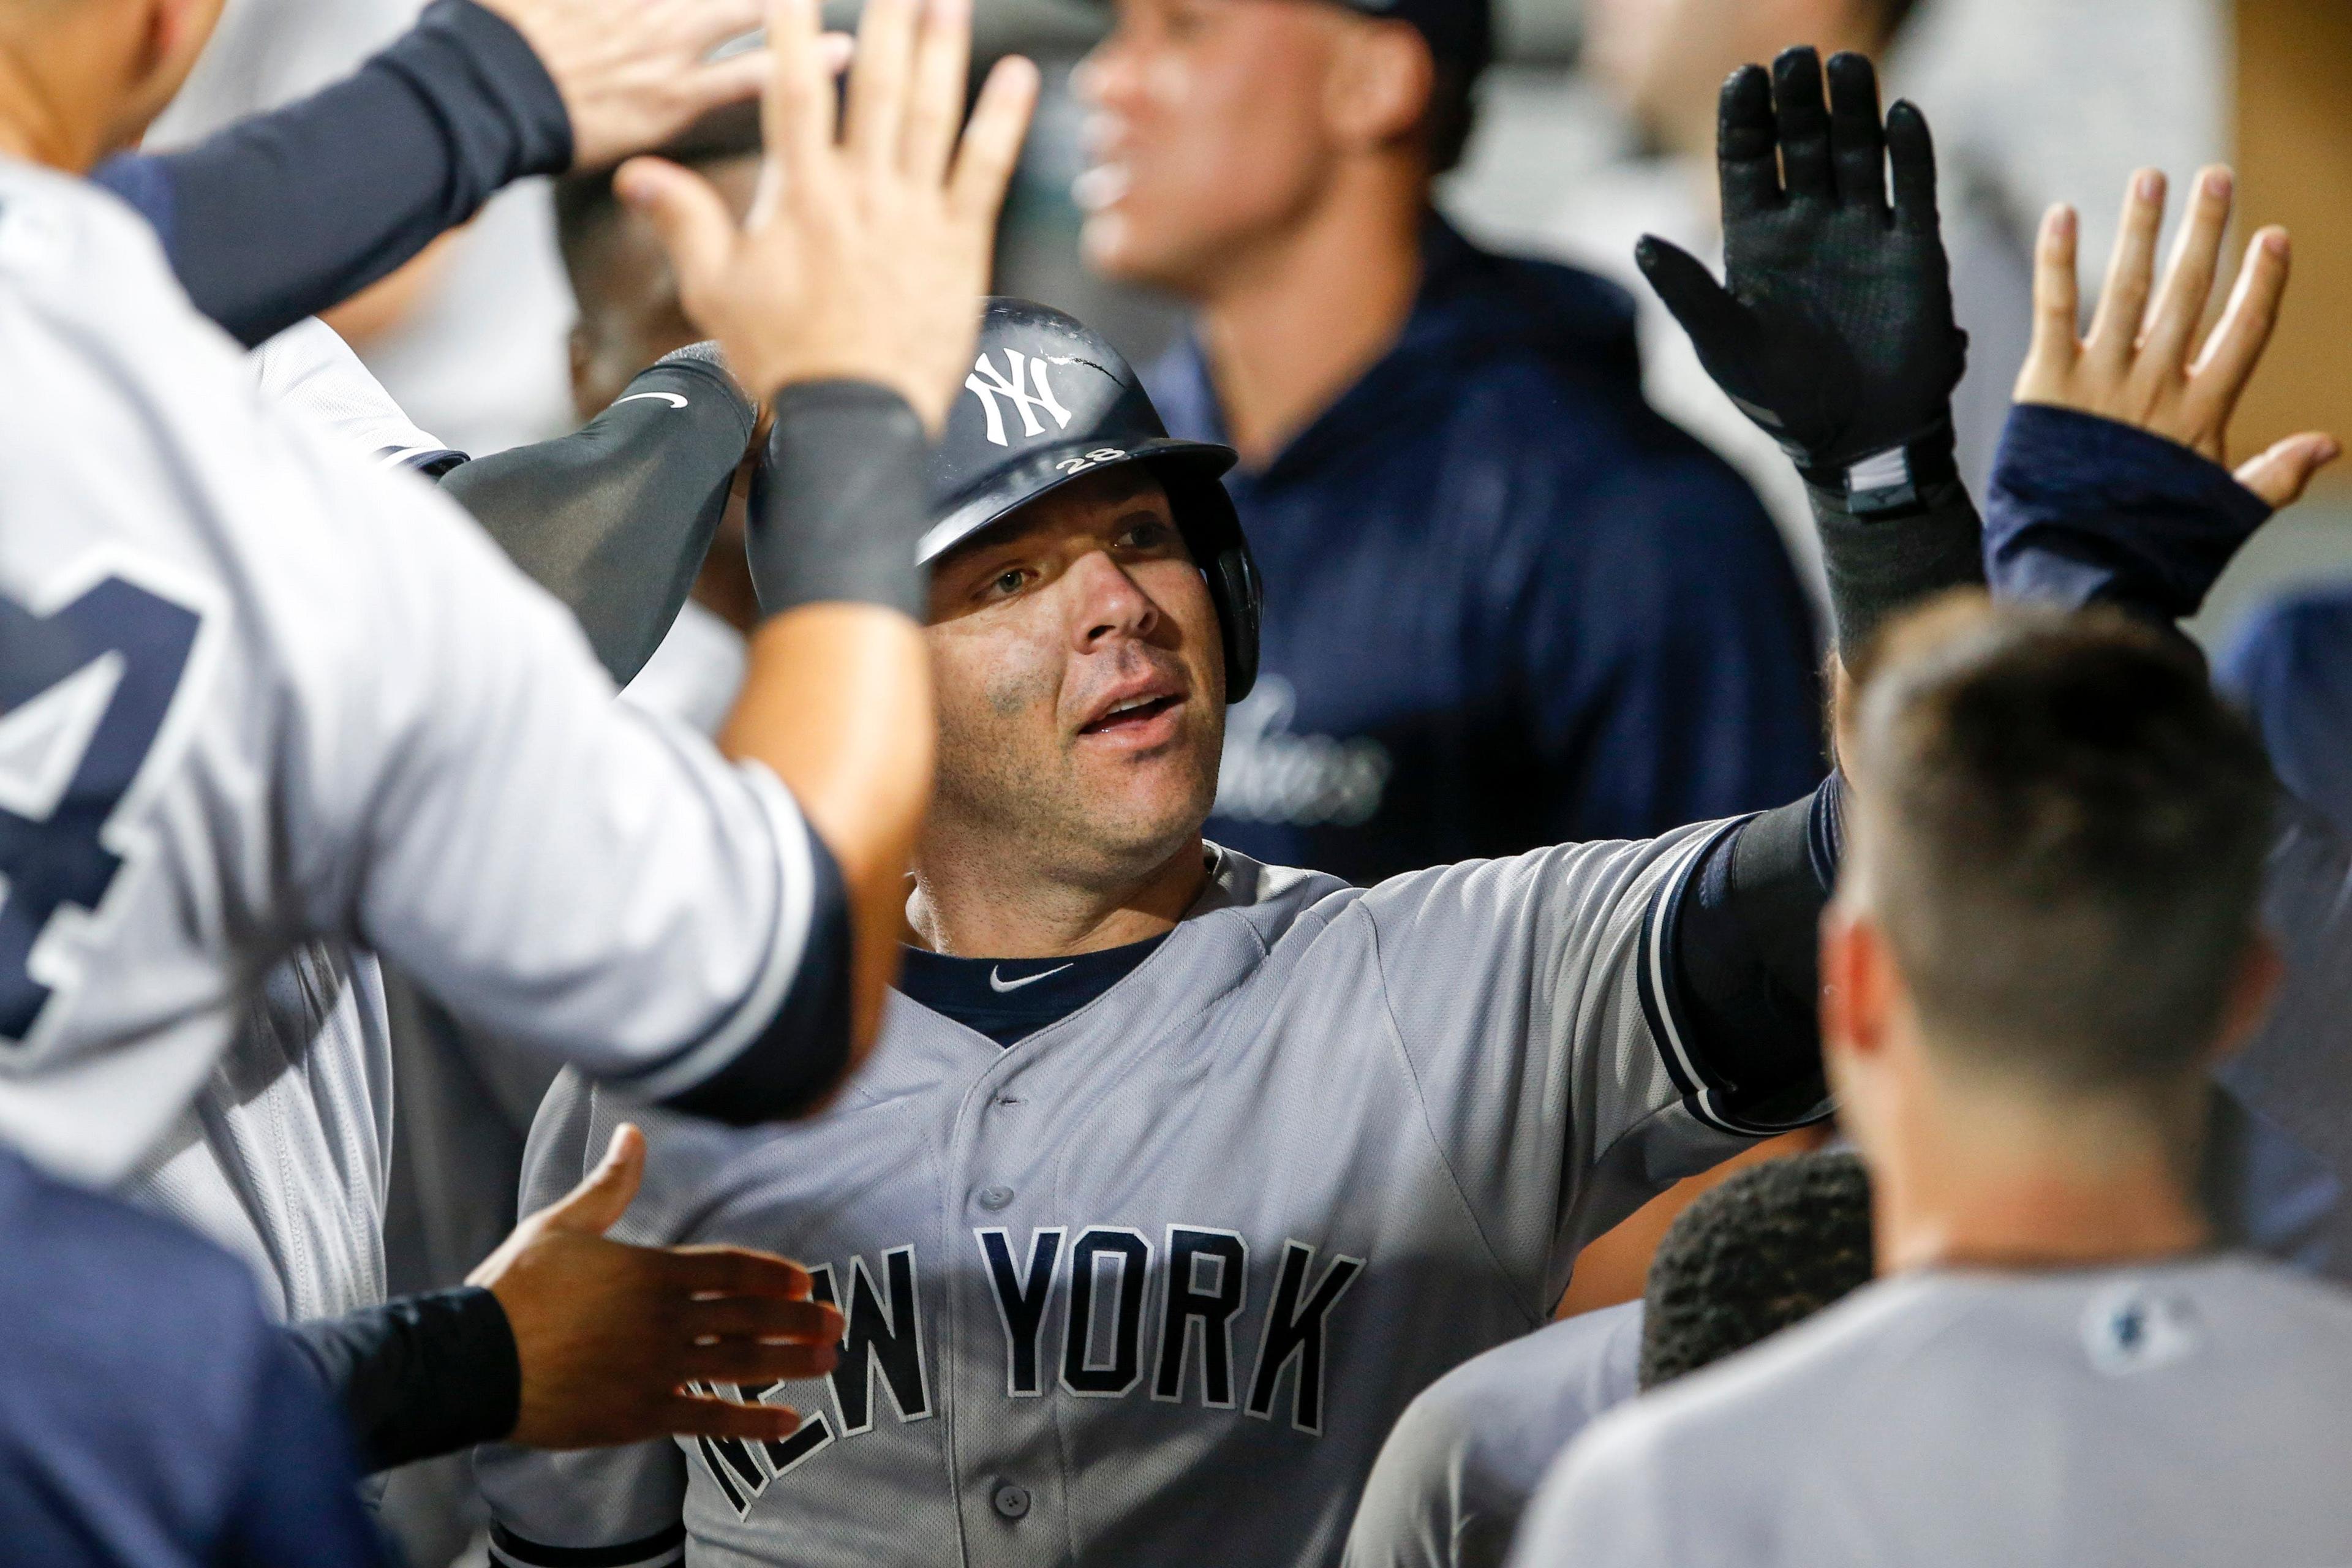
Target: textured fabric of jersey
point(309, 370)
point(1457, 1472)
point(2191, 1414)
point(1151, 1286)
point(257, 691)
point(148, 1417)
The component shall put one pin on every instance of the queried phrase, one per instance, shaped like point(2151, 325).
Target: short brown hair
point(2066, 830)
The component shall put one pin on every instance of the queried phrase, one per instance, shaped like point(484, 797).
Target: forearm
point(837, 701)
point(419, 1375)
point(1893, 540)
point(2089, 510)
point(1743, 959)
point(287, 213)
point(615, 520)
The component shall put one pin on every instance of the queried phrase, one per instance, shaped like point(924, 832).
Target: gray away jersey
point(2191, 1414)
point(257, 691)
point(1152, 1285)
point(1458, 1470)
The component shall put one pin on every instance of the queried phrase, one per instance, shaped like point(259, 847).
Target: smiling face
point(1080, 681)
point(1207, 131)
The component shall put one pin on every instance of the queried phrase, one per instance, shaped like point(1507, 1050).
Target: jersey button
point(1012, 1501)
point(992, 1199)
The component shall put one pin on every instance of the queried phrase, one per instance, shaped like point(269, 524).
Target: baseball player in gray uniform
point(2046, 931)
point(1175, 1176)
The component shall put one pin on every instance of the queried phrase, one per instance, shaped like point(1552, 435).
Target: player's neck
point(976, 907)
point(46, 89)
point(1977, 1178)
point(1293, 321)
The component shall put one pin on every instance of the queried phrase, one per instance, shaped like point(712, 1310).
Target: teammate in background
point(1606, 638)
point(221, 599)
point(257, 222)
point(2045, 936)
point(1767, 1248)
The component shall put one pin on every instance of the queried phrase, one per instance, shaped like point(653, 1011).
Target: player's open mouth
point(1133, 716)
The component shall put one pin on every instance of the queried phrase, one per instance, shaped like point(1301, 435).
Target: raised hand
point(868, 246)
point(1833, 329)
point(608, 1334)
point(635, 73)
point(2147, 360)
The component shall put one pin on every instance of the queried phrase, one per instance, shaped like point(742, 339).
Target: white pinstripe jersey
point(256, 691)
point(1152, 1285)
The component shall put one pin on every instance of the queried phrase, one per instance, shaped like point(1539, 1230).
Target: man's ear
point(1382, 79)
point(2252, 991)
point(1858, 983)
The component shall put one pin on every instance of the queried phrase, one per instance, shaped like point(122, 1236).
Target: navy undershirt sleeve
point(419, 1375)
point(1742, 967)
point(289, 214)
point(294, 1500)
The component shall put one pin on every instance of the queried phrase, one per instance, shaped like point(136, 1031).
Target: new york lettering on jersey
point(1158, 1277)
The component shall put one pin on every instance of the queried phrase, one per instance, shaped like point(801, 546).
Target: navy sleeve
point(2289, 667)
point(419, 1375)
point(799, 1059)
point(1734, 945)
point(296, 1496)
point(289, 214)
point(1666, 653)
point(2086, 510)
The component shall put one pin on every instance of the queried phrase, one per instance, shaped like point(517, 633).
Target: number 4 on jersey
point(84, 690)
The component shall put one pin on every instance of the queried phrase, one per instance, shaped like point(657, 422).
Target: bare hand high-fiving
point(868, 249)
point(2147, 360)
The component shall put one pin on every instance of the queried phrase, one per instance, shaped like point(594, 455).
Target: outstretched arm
point(287, 213)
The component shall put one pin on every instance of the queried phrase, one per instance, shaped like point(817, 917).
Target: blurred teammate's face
point(1080, 685)
point(1208, 130)
point(1665, 60)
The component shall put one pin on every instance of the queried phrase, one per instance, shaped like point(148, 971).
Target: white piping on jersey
point(1703, 1102)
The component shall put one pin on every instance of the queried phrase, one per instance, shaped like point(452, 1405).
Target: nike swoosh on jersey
point(672, 398)
point(1002, 987)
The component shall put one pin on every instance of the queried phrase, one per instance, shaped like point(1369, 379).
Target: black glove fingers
point(1720, 327)
point(1804, 117)
point(1747, 144)
point(1911, 152)
point(1857, 138)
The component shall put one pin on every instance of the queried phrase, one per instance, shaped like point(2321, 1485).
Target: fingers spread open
point(2057, 291)
point(799, 111)
point(1707, 311)
point(2236, 347)
point(1857, 134)
point(1748, 144)
point(878, 85)
point(991, 142)
point(1911, 154)
point(703, 27)
point(2178, 315)
point(2131, 271)
point(689, 1415)
point(942, 64)
point(1805, 123)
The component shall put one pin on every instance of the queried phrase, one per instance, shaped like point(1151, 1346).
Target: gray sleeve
point(624, 1505)
point(1601, 1503)
point(1527, 995)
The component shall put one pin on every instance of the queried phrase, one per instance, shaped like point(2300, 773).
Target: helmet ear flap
point(1213, 531)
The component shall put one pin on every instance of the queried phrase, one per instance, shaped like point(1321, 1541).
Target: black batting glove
point(1833, 329)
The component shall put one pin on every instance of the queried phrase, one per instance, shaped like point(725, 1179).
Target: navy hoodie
point(1508, 604)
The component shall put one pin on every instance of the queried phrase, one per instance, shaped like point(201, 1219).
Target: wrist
point(1902, 479)
point(840, 500)
point(464, 52)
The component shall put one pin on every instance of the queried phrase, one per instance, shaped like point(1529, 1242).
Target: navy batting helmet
point(1047, 401)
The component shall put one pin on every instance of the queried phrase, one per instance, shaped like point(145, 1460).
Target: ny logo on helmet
point(990, 385)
